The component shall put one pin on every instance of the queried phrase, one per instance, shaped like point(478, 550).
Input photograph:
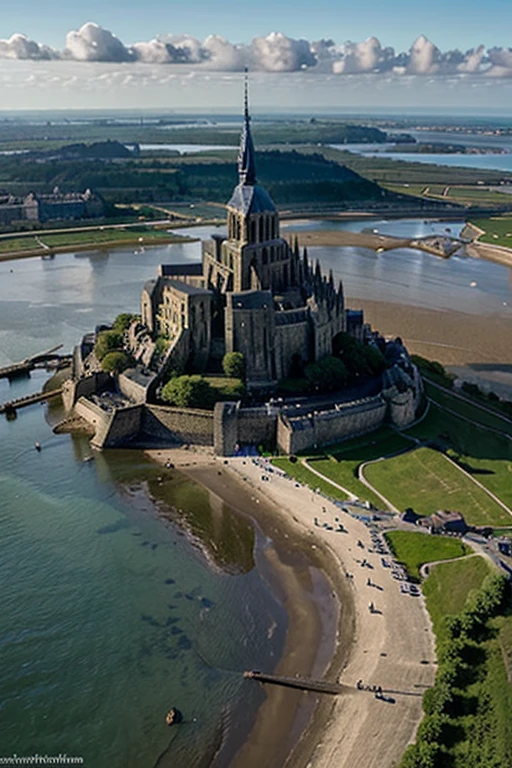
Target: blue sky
point(449, 23)
point(100, 71)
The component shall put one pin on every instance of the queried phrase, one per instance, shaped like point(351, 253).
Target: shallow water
point(109, 615)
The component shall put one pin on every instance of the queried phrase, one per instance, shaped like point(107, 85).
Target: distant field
point(107, 236)
point(463, 195)
point(415, 549)
point(426, 480)
point(18, 244)
point(498, 231)
point(448, 585)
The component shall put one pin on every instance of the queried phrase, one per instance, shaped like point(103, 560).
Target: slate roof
point(249, 198)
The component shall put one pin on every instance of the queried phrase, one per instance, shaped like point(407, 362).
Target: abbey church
point(252, 293)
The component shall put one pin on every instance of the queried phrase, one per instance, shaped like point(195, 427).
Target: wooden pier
point(11, 406)
point(24, 367)
point(301, 683)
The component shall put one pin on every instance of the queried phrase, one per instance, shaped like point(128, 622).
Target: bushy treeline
point(462, 656)
point(289, 177)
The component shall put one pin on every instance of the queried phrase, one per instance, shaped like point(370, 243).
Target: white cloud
point(278, 53)
point(274, 53)
point(93, 43)
point(20, 47)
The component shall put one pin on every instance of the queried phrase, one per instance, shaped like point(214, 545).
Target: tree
point(233, 364)
point(123, 322)
point(108, 341)
point(327, 375)
point(115, 362)
point(188, 392)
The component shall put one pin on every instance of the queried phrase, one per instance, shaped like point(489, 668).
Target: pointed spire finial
point(246, 164)
point(246, 95)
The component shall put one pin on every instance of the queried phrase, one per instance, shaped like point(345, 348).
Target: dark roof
point(170, 270)
point(291, 317)
point(252, 300)
point(149, 286)
point(249, 198)
point(190, 290)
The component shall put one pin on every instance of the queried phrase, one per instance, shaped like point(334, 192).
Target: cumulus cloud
point(274, 53)
point(93, 43)
point(279, 53)
point(20, 47)
point(368, 56)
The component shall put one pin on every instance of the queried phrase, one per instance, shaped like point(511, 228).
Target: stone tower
point(255, 253)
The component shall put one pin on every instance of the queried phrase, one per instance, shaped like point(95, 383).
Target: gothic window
point(264, 256)
point(253, 231)
point(261, 237)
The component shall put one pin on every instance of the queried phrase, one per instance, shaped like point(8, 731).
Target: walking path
point(350, 496)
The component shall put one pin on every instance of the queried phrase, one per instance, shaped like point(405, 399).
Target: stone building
point(252, 293)
point(56, 206)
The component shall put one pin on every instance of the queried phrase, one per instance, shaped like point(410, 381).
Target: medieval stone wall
point(328, 427)
point(291, 340)
point(176, 425)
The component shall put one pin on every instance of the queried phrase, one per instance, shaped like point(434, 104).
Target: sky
point(325, 55)
point(449, 23)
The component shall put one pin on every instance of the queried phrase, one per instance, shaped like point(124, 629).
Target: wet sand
point(466, 338)
point(320, 628)
point(392, 647)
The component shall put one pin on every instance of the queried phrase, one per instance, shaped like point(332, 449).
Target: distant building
point(57, 206)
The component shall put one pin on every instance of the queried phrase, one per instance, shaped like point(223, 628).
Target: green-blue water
point(109, 616)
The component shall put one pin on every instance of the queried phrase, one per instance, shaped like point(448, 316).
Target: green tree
point(327, 374)
point(123, 321)
point(188, 392)
point(233, 364)
point(108, 341)
point(115, 362)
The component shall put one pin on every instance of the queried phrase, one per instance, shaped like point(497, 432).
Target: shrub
point(123, 321)
point(233, 364)
point(108, 341)
point(115, 362)
point(327, 375)
point(189, 392)
point(431, 728)
point(438, 699)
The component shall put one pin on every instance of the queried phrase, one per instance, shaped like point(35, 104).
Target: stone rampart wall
point(256, 426)
point(190, 425)
point(328, 427)
point(125, 425)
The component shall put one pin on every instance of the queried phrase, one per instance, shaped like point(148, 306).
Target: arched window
point(261, 231)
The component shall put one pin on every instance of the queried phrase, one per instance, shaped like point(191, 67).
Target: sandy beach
point(392, 647)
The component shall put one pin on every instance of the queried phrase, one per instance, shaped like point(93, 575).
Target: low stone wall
point(328, 427)
point(73, 390)
point(190, 425)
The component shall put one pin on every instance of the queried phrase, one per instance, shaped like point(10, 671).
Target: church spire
point(246, 164)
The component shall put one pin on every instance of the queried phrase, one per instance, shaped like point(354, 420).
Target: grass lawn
point(342, 460)
point(9, 244)
point(498, 231)
point(426, 480)
point(107, 236)
point(301, 474)
point(468, 410)
point(448, 586)
point(495, 474)
point(414, 549)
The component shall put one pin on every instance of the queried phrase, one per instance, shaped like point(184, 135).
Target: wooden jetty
point(301, 683)
point(12, 406)
point(25, 366)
